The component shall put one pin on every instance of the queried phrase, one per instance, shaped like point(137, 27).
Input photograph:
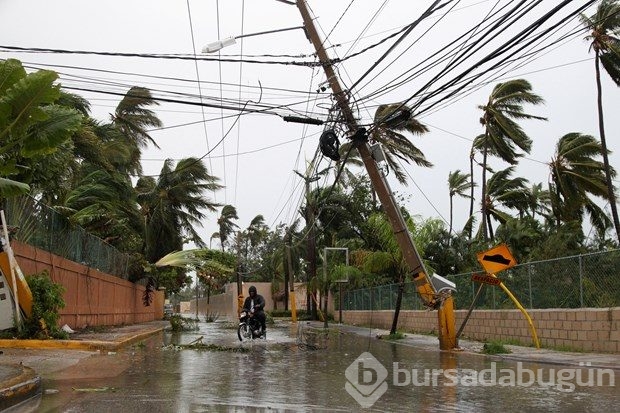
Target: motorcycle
point(249, 326)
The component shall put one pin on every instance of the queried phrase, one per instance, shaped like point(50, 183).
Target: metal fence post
point(581, 280)
point(529, 280)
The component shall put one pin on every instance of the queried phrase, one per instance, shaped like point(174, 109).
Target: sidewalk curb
point(524, 355)
point(25, 385)
point(78, 344)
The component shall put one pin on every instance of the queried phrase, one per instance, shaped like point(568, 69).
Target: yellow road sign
point(486, 279)
point(497, 259)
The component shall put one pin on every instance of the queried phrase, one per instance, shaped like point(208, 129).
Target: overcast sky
point(257, 158)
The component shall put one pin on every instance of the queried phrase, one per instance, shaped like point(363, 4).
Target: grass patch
point(212, 317)
point(495, 347)
point(301, 314)
point(567, 349)
point(396, 336)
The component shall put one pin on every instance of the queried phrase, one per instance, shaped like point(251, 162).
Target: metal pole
point(529, 277)
point(9, 253)
point(340, 303)
point(581, 281)
point(324, 292)
point(471, 308)
point(196, 296)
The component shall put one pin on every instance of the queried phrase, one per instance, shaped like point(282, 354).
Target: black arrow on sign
point(498, 258)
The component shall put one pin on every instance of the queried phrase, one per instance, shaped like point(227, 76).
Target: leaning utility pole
point(443, 303)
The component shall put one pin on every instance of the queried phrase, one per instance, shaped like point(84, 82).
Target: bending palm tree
point(503, 190)
point(173, 204)
point(133, 119)
point(502, 135)
point(576, 174)
point(458, 184)
point(605, 36)
point(389, 132)
point(226, 224)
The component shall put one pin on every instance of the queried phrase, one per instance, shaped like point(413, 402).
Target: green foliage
point(396, 336)
point(285, 313)
point(31, 125)
point(47, 300)
point(212, 317)
point(179, 323)
point(495, 347)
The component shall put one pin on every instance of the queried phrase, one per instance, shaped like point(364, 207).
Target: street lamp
point(229, 41)
point(218, 45)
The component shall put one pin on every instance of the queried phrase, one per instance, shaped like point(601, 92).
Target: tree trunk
point(287, 274)
point(491, 236)
point(311, 256)
point(484, 191)
point(450, 232)
point(399, 300)
point(601, 126)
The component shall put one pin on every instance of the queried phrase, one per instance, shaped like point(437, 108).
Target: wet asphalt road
point(301, 370)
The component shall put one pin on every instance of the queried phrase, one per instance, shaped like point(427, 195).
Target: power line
point(155, 56)
point(202, 108)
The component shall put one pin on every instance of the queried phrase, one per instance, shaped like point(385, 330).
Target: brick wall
point(91, 298)
point(587, 329)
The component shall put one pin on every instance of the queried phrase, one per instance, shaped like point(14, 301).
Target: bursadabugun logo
point(366, 379)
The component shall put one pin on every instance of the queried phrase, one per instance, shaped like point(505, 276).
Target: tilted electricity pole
point(442, 302)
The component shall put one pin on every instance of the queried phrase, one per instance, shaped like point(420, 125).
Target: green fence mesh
point(589, 280)
point(40, 226)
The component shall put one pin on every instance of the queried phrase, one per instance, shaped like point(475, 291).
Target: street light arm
point(218, 45)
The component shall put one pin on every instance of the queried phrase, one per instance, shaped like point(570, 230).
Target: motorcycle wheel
point(244, 332)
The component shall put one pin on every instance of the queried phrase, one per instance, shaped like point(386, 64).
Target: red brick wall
point(92, 298)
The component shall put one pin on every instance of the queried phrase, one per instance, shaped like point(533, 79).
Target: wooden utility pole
point(445, 305)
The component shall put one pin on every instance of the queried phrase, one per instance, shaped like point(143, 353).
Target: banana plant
point(31, 124)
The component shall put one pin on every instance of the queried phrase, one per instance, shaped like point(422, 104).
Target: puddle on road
point(305, 370)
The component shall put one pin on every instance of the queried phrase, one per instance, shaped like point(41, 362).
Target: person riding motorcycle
point(255, 304)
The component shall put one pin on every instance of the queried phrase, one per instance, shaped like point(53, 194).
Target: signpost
point(497, 259)
point(486, 279)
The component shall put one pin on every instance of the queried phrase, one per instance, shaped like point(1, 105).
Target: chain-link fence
point(589, 280)
point(40, 226)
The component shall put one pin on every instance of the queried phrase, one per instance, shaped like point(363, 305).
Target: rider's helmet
point(252, 291)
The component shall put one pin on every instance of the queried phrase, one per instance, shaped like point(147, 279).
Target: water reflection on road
point(278, 374)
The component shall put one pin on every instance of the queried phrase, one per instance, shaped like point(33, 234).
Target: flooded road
point(307, 370)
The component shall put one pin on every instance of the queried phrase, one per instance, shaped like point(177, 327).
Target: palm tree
point(104, 204)
point(391, 121)
point(387, 260)
point(133, 118)
point(538, 201)
point(503, 190)
point(472, 154)
point(226, 224)
point(215, 235)
point(173, 204)
point(458, 184)
point(604, 26)
point(502, 135)
point(575, 175)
